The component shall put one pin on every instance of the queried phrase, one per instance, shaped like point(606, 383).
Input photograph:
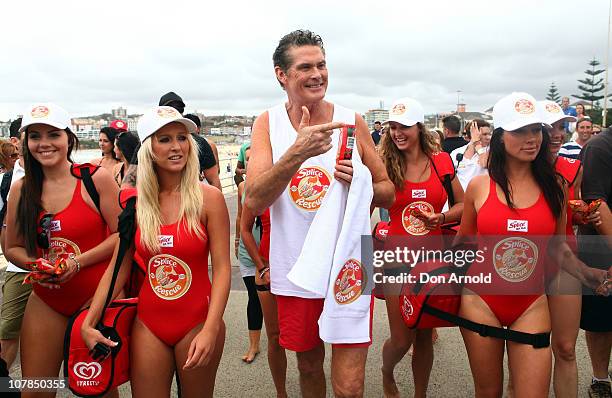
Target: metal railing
point(226, 175)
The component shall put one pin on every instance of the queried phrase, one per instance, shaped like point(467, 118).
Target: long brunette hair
point(30, 202)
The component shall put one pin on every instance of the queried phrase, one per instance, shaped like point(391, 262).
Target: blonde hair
point(148, 211)
point(7, 149)
point(394, 159)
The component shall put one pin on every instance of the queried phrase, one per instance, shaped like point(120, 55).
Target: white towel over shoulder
point(330, 262)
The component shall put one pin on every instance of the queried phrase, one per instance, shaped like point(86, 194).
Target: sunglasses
point(44, 238)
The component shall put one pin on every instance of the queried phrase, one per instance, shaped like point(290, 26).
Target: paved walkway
point(450, 376)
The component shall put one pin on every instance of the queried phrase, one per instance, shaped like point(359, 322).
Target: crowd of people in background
point(520, 177)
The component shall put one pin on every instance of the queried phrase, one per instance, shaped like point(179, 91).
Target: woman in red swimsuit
point(106, 142)
point(417, 171)
point(565, 291)
point(51, 214)
point(519, 200)
point(179, 323)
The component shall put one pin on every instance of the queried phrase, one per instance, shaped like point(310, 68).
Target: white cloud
point(90, 56)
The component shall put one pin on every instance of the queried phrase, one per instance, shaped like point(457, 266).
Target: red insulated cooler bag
point(435, 303)
point(416, 298)
point(87, 377)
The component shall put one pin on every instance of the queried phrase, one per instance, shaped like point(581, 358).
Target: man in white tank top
point(292, 166)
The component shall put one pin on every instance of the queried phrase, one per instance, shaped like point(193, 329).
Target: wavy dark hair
point(127, 143)
point(542, 167)
point(111, 134)
point(30, 202)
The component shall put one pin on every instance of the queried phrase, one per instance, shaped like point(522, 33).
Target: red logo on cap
point(39, 111)
point(553, 108)
point(168, 112)
point(398, 109)
point(524, 107)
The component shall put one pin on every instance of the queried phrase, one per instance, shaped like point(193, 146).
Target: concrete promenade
point(450, 376)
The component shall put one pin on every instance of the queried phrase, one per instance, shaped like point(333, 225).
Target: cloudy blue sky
point(90, 56)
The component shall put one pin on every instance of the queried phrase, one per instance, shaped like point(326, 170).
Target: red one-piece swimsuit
point(175, 295)
point(515, 254)
point(76, 229)
point(428, 195)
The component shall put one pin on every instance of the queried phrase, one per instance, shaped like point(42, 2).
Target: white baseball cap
point(157, 118)
point(46, 113)
point(553, 113)
point(406, 111)
point(517, 110)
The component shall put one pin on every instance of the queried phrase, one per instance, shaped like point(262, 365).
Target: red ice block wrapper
point(346, 144)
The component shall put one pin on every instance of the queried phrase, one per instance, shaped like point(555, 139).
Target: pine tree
point(591, 86)
point(553, 94)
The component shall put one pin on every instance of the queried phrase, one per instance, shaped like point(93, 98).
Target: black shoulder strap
point(127, 229)
point(90, 187)
point(448, 187)
point(5, 186)
point(537, 340)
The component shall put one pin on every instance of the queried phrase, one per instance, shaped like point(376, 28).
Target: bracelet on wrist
point(72, 256)
point(263, 272)
point(443, 219)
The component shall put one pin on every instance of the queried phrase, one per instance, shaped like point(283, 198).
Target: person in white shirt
point(471, 159)
point(14, 293)
point(291, 169)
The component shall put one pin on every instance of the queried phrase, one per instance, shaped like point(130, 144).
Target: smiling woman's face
point(47, 144)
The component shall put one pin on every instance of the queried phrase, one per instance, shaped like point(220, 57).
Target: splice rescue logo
point(412, 224)
point(524, 107)
point(168, 112)
point(553, 108)
point(170, 278)
point(514, 259)
point(308, 187)
point(39, 111)
point(86, 372)
point(350, 282)
point(398, 109)
point(59, 247)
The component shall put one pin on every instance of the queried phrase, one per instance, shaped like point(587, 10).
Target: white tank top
point(293, 211)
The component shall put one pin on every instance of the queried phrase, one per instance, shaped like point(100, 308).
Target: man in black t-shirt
point(452, 138)
point(208, 163)
point(595, 250)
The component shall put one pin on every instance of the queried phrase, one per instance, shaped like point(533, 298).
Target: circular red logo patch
point(553, 108)
point(39, 111)
point(514, 259)
point(412, 224)
point(167, 112)
point(350, 282)
point(308, 187)
point(170, 277)
point(398, 109)
point(524, 107)
point(60, 247)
